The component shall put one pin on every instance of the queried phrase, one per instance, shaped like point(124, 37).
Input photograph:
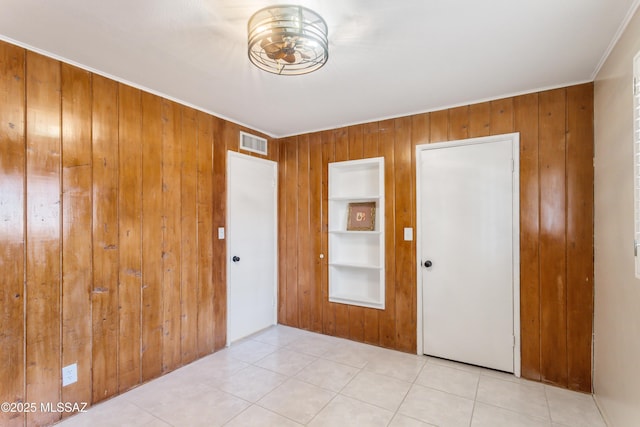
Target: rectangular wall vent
point(253, 143)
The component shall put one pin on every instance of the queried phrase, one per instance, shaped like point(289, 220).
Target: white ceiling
point(386, 58)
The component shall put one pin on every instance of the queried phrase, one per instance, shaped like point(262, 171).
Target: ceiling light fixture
point(287, 40)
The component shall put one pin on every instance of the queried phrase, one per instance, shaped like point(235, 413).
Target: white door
point(469, 250)
point(251, 245)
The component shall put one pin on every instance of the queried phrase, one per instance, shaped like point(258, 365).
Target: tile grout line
point(338, 393)
point(546, 399)
point(274, 412)
point(475, 400)
point(224, 369)
point(293, 376)
point(413, 383)
point(146, 411)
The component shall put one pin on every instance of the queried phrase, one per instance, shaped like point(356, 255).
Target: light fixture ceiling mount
point(287, 40)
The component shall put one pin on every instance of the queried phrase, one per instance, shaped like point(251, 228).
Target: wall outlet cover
point(69, 374)
point(408, 233)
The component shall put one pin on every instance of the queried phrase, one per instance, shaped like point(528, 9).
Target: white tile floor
point(289, 377)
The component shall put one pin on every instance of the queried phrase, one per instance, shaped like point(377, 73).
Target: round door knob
point(428, 263)
point(235, 258)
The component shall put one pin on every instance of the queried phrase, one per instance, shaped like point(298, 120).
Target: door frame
point(231, 154)
point(515, 147)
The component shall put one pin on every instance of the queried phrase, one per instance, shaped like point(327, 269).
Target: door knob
point(428, 263)
point(235, 258)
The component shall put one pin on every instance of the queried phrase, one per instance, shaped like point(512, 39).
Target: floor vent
point(253, 143)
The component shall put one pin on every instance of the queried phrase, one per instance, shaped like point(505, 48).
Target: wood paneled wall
point(109, 199)
point(556, 214)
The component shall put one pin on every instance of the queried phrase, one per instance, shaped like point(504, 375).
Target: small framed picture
point(362, 216)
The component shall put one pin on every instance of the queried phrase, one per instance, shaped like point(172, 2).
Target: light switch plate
point(220, 233)
point(408, 233)
point(69, 374)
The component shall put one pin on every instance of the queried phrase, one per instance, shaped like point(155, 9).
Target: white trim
point(603, 413)
point(231, 154)
point(286, 135)
point(338, 208)
point(442, 107)
point(515, 139)
point(636, 162)
point(616, 38)
point(128, 83)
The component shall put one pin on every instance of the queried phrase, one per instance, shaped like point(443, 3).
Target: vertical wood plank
point(130, 236)
point(356, 142)
point(219, 246)
point(526, 122)
point(420, 127)
point(76, 230)
point(304, 230)
point(439, 130)
point(579, 235)
point(189, 244)
point(171, 235)
point(104, 299)
point(341, 145)
point(283, 264)
point(501, 116)
point(275, 155)
point(232, 136)
point(370, 140)
point(12, 235)
point(386, 147)
point(292, 232)
point(459, 123)
point(405, 277)
point(479, 120)
point(315, 232)
point(328, 309)
point(206, 319)
point(151, 236)
point(43, 347)
point(273, 151)
point(341, 154)
point(553, 269)
point(371, 325)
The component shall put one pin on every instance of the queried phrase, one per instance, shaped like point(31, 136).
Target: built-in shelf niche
point(356, 258)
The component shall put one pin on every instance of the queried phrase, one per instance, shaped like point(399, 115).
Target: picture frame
point(361, 216)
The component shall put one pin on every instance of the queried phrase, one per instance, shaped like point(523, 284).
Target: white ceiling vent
point(253, 143)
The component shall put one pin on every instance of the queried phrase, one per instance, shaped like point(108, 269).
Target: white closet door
point(467, 239)
point(251, 245)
